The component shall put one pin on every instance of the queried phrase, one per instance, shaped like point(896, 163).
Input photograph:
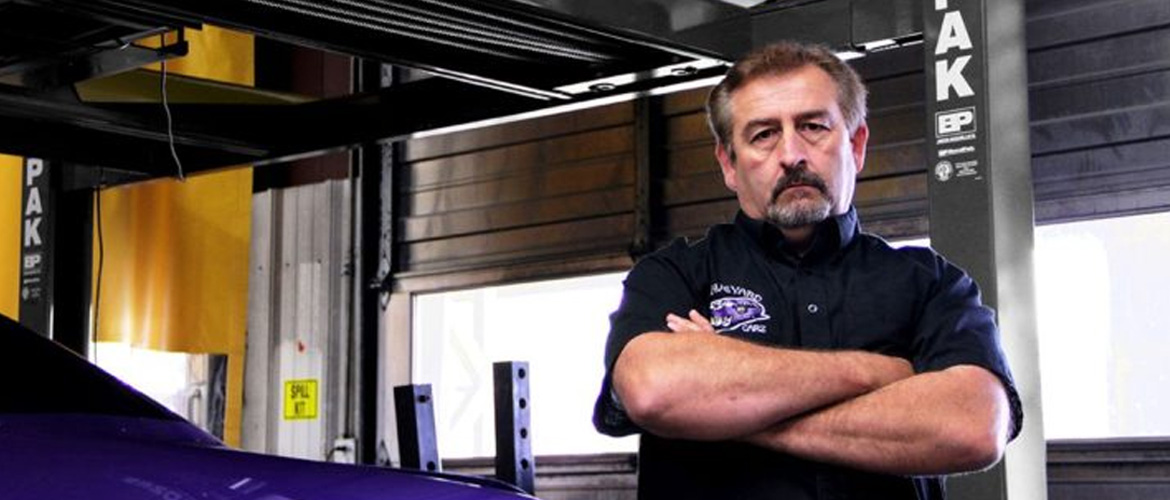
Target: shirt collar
point(830, 235)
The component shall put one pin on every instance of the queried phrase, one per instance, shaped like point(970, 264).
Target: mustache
point(800, 176)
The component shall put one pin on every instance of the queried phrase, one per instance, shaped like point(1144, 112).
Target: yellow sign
point(300, 399)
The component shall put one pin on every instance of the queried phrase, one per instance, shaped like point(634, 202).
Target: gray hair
point(777, 59)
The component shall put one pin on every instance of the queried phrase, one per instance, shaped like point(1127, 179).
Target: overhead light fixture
point(576, 106)
point(747, 4)
point(849, 55)
point(879, 44)
point(610, 83)
point(867, 48)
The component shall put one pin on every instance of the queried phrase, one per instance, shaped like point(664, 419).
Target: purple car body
point(71, 431)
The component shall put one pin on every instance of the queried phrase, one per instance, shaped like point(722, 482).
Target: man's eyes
point(814, 126)
point(810, 130)
point(763, 135)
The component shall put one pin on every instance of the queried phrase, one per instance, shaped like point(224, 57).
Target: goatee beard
point(804, 211)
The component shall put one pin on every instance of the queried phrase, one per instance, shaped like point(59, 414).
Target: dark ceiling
point(496, 58)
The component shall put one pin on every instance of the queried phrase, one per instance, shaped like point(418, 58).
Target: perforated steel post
point(416, 427)
point(514, 462)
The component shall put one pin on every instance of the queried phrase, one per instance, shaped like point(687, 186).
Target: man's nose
point(792, 151)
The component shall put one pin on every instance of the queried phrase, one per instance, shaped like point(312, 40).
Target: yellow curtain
point(10, 235)
point(175, 273)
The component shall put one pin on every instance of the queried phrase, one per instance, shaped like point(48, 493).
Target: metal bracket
point(118, 56)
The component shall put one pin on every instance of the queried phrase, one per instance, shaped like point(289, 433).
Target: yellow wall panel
point(10, 194)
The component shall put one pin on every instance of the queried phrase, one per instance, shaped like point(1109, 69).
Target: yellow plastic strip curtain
point(175, 273)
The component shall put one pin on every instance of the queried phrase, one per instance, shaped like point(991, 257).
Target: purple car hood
point(65, 457)
point(71, 431)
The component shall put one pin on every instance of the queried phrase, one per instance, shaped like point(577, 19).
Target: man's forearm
point(943, 422)
point(700, 385)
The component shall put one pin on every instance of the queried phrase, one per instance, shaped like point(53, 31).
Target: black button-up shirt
point(848, 291)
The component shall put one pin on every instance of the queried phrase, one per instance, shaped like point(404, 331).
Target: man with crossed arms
point(788, 355)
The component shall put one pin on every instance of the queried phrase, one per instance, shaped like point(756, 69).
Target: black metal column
point(514, 461)
point(36, 253)
point(376, 227)
point(980, 191)
point(56, 255)
point(417, 443)
point(648, 140)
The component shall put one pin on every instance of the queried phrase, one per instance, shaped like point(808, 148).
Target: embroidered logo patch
point(733, 313)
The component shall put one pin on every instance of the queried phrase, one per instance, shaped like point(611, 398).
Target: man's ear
point(857, 144)
point(726, 164)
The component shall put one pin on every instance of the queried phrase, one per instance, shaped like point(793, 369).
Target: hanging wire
point(167, 110)
point(101, 248)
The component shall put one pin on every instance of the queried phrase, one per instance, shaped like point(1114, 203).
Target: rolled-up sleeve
point(957, 329)
point(656, 286)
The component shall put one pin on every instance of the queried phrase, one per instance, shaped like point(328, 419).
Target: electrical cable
point(167, 109)
point(101, 248)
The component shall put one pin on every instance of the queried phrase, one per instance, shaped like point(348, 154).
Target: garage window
point(1103, 321)
point(559, 327)
point(1102, 318)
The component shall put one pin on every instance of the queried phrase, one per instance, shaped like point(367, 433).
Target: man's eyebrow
point(816, 114)
point(760, 123)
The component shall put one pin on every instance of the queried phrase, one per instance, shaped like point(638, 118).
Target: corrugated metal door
point(299, 294)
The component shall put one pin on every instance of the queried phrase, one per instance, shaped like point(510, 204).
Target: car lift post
point(55, 285)
point(978, 163)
